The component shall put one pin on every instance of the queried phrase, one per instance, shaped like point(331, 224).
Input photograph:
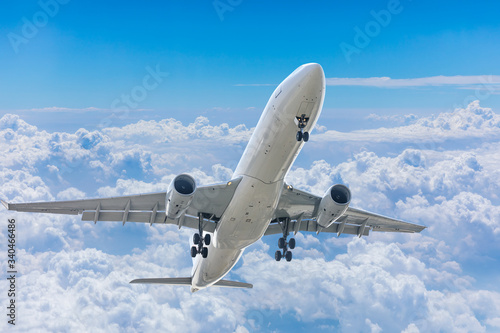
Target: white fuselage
point(270, 153)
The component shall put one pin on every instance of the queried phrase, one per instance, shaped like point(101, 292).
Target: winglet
point(5, 204)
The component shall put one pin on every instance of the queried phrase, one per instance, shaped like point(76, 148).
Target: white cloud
point(134, 151)
point(171, 130)
point(440, 80)
point(372, 285)
point(70, 193)
point(490, 82)
point(388, 282)
point(472, 121)
point(397, 118)
point(64, 109)
point(464, 208)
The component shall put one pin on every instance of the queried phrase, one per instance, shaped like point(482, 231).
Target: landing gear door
point(305, 109)
point(303, 113)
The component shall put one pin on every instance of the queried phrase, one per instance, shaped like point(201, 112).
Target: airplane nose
point(314, 70)
point(311, 74)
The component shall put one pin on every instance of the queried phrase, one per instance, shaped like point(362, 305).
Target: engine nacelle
point(179, 195)
point(333, 205)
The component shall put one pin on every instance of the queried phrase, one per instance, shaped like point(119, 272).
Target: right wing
point(302, 209)
point(211, 201)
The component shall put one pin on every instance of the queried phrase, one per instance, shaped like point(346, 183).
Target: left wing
point(302, 209)
point(210, 201)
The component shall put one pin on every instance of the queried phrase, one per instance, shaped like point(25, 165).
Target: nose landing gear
point(283, 244)
point(200, 241)
point(302, 122)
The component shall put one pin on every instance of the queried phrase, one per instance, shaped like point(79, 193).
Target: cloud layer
point(74, 275)
point(471, 122)
point(440, 80)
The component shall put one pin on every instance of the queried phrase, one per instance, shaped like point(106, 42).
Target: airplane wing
point(211, 201)
point(302, 209)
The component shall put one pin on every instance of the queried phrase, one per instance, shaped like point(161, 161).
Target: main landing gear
point(200, 241)
point(283, 244)
point(302, 122)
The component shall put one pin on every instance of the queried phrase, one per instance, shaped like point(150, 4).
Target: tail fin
point(186, 281)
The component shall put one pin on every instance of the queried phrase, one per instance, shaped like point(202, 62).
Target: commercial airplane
point(256, 202)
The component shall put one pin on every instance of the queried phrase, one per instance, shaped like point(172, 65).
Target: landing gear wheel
point(305, 136)
point(204, 252)
point(196, 239)
point(299, 136)
point(281, 243)
point(200, 240)
point(194, 251)
point(285, 244)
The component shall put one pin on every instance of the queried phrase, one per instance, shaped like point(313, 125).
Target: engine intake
point(179, 195)
point(333, 205)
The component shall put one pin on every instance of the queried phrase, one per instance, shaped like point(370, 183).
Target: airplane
point(255, 202)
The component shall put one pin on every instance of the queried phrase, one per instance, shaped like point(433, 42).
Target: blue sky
point(90, 53)
point(103, 99)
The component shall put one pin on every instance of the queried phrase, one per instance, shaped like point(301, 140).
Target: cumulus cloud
point(372, 285)
point(472, 121)
point(75, 274)
point(141, 150)
point(171, 130)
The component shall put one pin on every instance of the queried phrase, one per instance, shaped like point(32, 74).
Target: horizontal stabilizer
point(232, 284)
point(183, 281)
point(186, 281)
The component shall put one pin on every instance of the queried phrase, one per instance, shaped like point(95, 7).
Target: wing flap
point(145, 217)
point(312, 226)
point(118, 216)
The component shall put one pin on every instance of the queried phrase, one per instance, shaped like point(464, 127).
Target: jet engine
point(179, 195)
point(333, 205)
